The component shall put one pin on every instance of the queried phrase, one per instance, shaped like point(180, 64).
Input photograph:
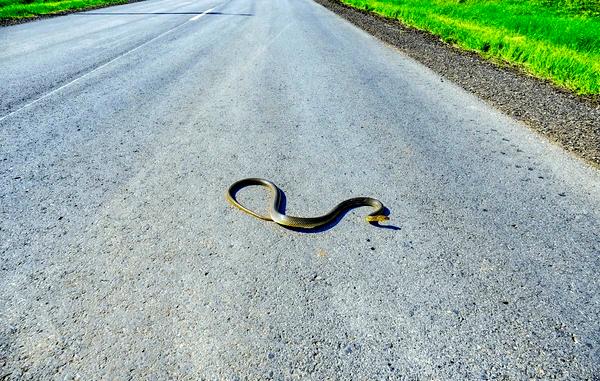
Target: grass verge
point(558, 40)
point(18, 10)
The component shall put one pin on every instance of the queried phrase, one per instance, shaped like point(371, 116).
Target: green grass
point(22, 9)
point(558, 40)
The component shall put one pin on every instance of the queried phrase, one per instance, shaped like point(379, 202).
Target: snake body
point(302, 222)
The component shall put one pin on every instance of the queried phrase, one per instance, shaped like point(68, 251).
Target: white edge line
point(101, 66)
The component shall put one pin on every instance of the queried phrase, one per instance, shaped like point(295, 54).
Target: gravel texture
point(570, 120)
point(120, 258)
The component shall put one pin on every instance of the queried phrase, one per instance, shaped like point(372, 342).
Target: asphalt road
point(120, 130)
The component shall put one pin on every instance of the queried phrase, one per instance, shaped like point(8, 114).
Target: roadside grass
point(11, 10)
point(558, 40)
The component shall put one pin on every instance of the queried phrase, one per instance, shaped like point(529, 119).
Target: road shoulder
point(11, 21)
point(570, 120)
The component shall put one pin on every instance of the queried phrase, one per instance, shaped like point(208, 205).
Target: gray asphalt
point(120, 130)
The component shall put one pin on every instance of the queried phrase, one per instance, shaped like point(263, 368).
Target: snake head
point(377, 218)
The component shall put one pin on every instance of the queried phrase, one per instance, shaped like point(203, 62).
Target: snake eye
point(377, 218)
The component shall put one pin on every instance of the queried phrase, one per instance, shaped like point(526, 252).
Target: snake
point(275, 215)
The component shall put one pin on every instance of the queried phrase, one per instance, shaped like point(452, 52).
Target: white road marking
point(102, 66)
point(201, 14)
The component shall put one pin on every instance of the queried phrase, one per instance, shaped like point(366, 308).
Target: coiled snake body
point(303, 222)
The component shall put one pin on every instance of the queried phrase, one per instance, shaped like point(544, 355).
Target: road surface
point(120, 130)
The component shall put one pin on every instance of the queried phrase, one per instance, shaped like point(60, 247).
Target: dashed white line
point(201, 14)
point(101, 66)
